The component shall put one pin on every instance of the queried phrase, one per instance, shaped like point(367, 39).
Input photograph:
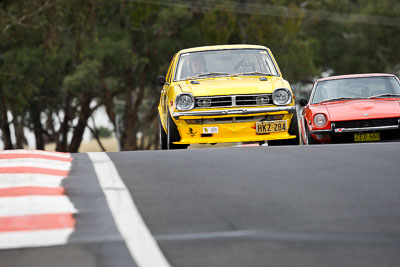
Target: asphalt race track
point(327, 205)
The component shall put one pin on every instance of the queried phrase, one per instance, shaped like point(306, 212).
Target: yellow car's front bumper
point(240, 111)
point(194, 133)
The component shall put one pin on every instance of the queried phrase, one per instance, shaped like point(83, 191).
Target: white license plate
point(210, 130)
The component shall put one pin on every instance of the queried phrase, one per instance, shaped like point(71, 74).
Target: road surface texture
point(328, 205)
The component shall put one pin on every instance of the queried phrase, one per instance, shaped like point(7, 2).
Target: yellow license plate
point(264, 127)
point(367, 137)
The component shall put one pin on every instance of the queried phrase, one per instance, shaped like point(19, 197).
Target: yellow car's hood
point(231, 86)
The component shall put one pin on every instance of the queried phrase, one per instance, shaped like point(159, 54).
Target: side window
point(182, 68)
point(169, 73)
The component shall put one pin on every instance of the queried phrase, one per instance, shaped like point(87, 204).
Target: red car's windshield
point(356, 88)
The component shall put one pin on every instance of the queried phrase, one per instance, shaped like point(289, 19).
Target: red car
point(352, 108)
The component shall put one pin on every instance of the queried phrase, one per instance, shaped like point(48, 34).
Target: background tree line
point(60, 60)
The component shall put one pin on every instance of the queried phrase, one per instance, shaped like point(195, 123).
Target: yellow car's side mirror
point(161, 80)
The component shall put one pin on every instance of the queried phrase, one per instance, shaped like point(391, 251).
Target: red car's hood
point(363, 109)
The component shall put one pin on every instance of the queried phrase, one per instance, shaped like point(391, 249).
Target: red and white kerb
point(34, 210)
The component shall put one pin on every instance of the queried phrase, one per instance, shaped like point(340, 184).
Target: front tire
point(162, 135)
point(173, 135)
point(293, 130)
point(310, 139)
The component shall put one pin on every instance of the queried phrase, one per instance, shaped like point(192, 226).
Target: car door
point(164, 92)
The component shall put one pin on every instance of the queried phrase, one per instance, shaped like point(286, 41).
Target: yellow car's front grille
point(213, 101)
point(233, 101)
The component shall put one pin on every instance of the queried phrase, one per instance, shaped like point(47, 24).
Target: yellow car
point(225, 93)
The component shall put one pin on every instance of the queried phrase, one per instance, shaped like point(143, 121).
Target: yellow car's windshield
point(226, 62)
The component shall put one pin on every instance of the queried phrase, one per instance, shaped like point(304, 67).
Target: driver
point(197, 65)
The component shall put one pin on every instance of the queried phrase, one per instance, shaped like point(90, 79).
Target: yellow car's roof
point(221, 47)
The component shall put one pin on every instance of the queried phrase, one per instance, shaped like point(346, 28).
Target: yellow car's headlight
point(184, 101)
point(282, 96)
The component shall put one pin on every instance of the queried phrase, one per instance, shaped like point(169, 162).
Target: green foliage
point(224, 24)
point(85, 78)
point(114, 54)
point(22, 71)
point(103, 132)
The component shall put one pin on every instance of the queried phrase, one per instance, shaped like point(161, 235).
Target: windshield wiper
point(384, 95)
point(206, 74)
point(251, 73)
point(338, 99)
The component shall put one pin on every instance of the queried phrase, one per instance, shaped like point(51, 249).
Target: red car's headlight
point(320, 120)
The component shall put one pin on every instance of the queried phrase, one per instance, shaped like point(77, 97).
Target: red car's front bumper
point(344, 131)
